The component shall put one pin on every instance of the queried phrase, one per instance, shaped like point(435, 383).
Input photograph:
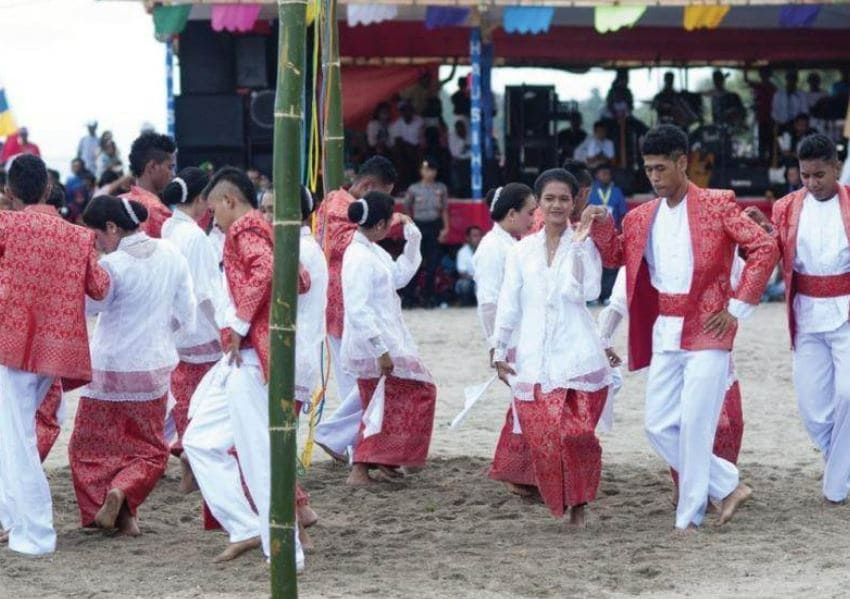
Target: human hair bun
point(355, 212)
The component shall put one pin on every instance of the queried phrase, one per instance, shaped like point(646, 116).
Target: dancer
point(813, 230)
point(678, 251)
point(48, 268)
point(117, 450)
point(339, 432)
point(560, 377)
point(378, 349)
point(152, 163)
point(512, 209)
point(200, 348)
point(230, 406)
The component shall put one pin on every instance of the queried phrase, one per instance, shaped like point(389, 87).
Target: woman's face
point(556, 202)
point(522, 219)
point(107, 240)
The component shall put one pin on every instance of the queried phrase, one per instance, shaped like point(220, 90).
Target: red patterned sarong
point(560, 428)
point(184, 381)
point(408, 421)
point(46, 422)
point(730, 428)
point(512, 461)
point(116, 445)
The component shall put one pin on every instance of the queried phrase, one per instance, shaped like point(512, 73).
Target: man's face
point(161, 173)
point(76, 166)
point(599, 132)
point(820, 177)
point(473, 238)
point(364, 185)
point(267, 207)
point(666, 174)
point(603, 176)
point(222, 203)
point(801, 125)
point(254, 175)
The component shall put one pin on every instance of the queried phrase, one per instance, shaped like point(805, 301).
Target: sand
point(450, 532)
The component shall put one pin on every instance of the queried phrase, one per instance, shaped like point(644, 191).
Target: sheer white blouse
point(373, 318)
point(310, 323)
point(133, 347)
point(558, 346)
point(489, 261)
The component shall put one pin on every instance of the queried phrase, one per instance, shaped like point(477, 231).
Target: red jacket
point(158, 212)
point(717, 226)
point(786, 219)
point(47, 267)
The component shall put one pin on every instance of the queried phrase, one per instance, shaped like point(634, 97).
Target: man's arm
point(255, 252)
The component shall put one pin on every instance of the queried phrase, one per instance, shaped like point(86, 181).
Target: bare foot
point(359, 476)
point(306, 542)
point(710, 508)
point(234, 550)
point(390, 472)
point(687, 532)
point(188, 484)
point(307, 516)
point(336, 456)
point(578, 516)
point(4, 536)
point(108, 513)
point(828, 502)
point(412, 469)
point(515, 489)
point(733, 501)
point(128, 524)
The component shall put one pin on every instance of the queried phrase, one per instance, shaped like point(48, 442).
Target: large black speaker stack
point(530, 136)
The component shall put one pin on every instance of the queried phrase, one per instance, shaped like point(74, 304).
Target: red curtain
point(366, 87)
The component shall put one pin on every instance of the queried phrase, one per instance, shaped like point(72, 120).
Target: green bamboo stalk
point(288, 142)
point(333, 135)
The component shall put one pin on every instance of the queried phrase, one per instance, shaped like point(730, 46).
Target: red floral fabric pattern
point(158, 212)
point(116, 445)
point(822, 286)
point(408, 422)
point(184, 380)
point(334, 234)
point(560, 429)
point(47, 266)
point(512, 461)
point(47, 427)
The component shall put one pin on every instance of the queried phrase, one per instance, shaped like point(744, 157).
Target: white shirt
point(373, 131)
point(408, 132)
point(822, 249)
point(489, 267)
point(87, 151)
point(133, 349)
point(592, 146)
point(373, 322)
point(201, 345)
point(464, 261)
point(786, 106)
point(459, 147)
point(558, 346)
point(310, 323)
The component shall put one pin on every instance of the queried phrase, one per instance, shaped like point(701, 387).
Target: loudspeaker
point(206, 60)
point(210, 121)
point(251, 69)
point(261, 116)
point(744, 179)
point(529, 110)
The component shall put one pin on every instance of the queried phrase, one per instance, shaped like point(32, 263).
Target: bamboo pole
point(333, 135)
point(288, 141)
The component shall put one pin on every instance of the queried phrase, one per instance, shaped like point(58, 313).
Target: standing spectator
point(620, 103)
point(605, 192)
point(763, 92)
point(789, 140)
point(726, 107)
point(88, 146)
point(597, 149)
point(459, 148)
point(813, 96)
point(788, 102)
point(572, 138)
point(465, 285)
point(407, 135)
point(461, 102)
point(108, 158)
point(842, 86)
point(664, 102)
point(420, 92)
point(378, 130)
point(427, 204)
point(75, 180)
point(18, 144)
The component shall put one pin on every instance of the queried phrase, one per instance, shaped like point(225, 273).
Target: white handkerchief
point(373, 417)
point(471, 396)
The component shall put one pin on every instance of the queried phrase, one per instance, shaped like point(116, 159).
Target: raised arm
point(407, 264)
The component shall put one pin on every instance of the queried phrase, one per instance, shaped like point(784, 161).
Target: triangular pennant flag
point(704, 17)
point(613, 18)
point(798, 15)
point(170, 20)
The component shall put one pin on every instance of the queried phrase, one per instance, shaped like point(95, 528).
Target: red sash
point(673, 304)
point(822, 286)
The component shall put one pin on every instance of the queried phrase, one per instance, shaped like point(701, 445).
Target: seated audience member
point(597, 148)
point(465, 285)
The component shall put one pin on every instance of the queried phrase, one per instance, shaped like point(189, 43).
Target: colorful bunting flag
point(445, 16)
point(368, 14)
point(527, 19)
point(704, 17)
point(170, 20)
point(7, 120)
point(798, 15)
point(614, 18)
point(234, 17)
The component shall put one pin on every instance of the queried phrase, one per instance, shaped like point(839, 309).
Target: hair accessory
point(495, 199)
point(310, 200)
point(129, 210)
point(184, 189)
point(365, 211)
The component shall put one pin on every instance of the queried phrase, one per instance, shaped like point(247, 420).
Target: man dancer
point(678, 251)
point(813, 230)
point(230, 406)
point(152, 163)
point(48, 267)
point(339, 432)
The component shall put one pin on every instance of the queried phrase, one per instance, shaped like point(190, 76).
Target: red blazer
point(717, 226)
point(248, 267)
point(47, 267)
point(786, 219)
point(158, 212)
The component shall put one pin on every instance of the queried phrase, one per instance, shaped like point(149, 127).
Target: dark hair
point(27, 178)
point(308, 203)
point(195, 180)
point(665, 140)
point(147, 147)
point(472, 228)
point(380, 205)
point(56, 197)
point(104, 209)
point(817, 147)
point(580, 171)
point(600, 123)
point(108, 176)
point(555, 174)
point(381, 106)
point(379, 168)
point(238, 179)
point(511, 197)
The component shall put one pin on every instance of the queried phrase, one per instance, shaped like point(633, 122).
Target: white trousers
point(26, 506)
point(822, 382)
point(684, 396)
point(230, 408)
point(339, 432)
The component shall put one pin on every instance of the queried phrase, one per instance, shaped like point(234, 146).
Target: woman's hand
point(613, 359)
point(504, 370)
point(385, 363)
